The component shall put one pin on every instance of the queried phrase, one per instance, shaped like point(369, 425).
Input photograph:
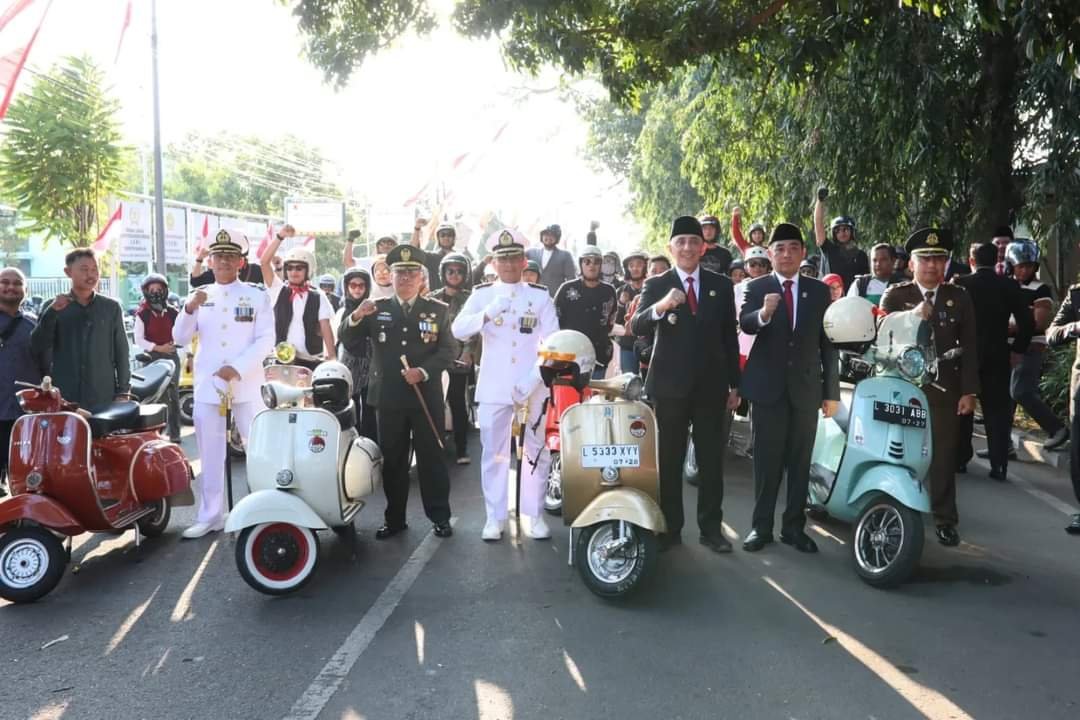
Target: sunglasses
point(757, 263)
point(455, 271)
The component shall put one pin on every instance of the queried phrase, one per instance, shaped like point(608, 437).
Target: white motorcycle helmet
point(333, 380)
point(300, 254)
point(567, 353)
point(756, 252)
point(850, 320)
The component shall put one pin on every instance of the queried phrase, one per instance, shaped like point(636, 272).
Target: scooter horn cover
point(850, 320)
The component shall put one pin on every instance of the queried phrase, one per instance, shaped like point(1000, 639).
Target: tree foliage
point(62, 157)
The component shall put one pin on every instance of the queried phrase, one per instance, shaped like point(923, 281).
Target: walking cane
point(423, 406)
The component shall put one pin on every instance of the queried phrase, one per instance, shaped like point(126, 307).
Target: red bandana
point(297, 291)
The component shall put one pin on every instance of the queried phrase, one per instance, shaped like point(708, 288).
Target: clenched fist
point(363, 310)
point(497, 307)
point(60, 302)
point(672, 300)
point(197, 298)
point(768, 307)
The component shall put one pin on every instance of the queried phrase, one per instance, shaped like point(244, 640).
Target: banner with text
point(135, 243)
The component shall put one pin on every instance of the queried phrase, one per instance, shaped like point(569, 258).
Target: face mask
point(157, 298)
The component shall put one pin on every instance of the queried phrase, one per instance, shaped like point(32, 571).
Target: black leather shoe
point(668, 541)
point(800, 541)
point(442, 529)
point(755, 541)
point(996, 474)
point(947, 535)
point(389, 531)
point(716, 543)
point(1073, 528)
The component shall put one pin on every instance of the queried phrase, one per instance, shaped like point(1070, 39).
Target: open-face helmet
point(1022, 251)
point(567, 353)
point(456, 258)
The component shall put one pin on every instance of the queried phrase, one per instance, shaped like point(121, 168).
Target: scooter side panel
point(362, 475)
point(40, 509)
point(892, 480)
point(627, 504)
point(159, 470)
point(265, 506)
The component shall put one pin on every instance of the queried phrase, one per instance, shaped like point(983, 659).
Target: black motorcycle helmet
point(157, 299)
point(842, 221)
point(456, 258)
point(554, 230)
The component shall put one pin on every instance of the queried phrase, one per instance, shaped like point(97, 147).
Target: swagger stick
point(522, 416)
point(423, 406)
point(226, 409)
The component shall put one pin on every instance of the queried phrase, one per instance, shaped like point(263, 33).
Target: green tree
point(62, 157)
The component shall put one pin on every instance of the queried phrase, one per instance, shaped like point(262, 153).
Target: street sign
point(315, 217)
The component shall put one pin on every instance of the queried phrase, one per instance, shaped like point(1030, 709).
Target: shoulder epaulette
point(538, 286)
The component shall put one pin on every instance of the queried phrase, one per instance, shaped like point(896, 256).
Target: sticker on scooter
point(637, 428)
point(318, 442)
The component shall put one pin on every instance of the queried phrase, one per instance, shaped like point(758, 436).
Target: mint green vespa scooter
point(870, 460)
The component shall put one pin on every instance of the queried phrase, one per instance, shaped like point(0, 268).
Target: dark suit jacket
point(997, 299)
point(560, 268)
point(1064, 329)
point(699, 354)
point(957, 268)
point(801, 363)
point(392, 335)
point(954, 326)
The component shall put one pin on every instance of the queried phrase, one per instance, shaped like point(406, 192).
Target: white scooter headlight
point(911, 363)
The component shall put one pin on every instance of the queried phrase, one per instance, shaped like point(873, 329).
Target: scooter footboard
point(892, 480)
point(627, 504)
point(265, 506)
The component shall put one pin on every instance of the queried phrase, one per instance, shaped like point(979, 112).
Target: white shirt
point(683, 275)
point(746, 341)
point(236, 328)
point(923, 291)
point(296, 336)
point(545, 257)
point(794, 296)
point(874, 287)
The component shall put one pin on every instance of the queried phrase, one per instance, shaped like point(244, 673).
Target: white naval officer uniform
point(235, 327)
point(509, 367)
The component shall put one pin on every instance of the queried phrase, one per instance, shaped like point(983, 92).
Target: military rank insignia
point(527, 322)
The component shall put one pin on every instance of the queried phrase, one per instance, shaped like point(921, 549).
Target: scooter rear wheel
point(887, 542)
point(155, 524)
point(32, 561)
point(553, 487)
point(614, 573)
point(277, 558)
point(187, 407)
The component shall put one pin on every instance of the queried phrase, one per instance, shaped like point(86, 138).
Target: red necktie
point(297, 291)
point(691, 296)
point(789, 302)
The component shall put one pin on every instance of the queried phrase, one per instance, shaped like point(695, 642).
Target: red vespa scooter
point(72, 472)
point(564, 394)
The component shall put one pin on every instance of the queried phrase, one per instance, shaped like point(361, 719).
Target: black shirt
point(847, 261)
point(626, 342)
point(716, 258)
point(589, 310)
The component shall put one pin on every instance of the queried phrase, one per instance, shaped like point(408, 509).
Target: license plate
point(600, 456)
point(900, 414)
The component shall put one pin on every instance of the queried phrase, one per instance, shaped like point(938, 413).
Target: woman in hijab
point(356, 352)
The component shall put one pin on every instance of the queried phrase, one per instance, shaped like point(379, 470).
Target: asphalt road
point(465, 629)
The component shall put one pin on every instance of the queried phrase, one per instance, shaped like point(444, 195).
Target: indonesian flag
point(18, 31)
point(123, 30)
point(265, 241)
point(112, 229)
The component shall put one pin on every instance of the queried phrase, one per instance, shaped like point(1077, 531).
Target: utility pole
point(159, 199)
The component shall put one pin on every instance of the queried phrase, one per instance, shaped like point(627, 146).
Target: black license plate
point(900, 414)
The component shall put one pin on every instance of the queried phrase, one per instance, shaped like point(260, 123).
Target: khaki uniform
point(954, 326)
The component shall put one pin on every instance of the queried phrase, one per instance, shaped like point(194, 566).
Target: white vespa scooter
point(308, 470)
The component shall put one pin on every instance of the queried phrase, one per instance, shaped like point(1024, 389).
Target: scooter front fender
point(624, 503)
point(39, 509)
point(265, 506)
point(894, 480)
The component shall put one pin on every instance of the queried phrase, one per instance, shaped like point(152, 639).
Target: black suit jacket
point(393, 335)
point(802, 362)
point(697, 355)
point(996, 299)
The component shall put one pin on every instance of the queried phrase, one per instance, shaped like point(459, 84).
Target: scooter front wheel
point(32, 561)
point(613, 558)
point(887, 542)
point(277, 558)
point(553, 487)
point(187, 407)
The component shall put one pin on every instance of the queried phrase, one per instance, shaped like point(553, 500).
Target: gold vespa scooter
point(610, 472)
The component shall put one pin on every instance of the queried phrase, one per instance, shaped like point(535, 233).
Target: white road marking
point(52, 711)
point(183, 605)
point(129, 622)
point(575, 674)
point(419, 630)
point(329, 679)
point(492, 702)
point(927, 701)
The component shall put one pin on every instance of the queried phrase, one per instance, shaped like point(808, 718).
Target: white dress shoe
point(538, 529)
point(202, 528)
point(492, 531)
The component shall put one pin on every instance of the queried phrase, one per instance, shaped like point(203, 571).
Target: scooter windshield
point(900, 332)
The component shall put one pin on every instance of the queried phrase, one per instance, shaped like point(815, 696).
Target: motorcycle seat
point(122, 415)
point(147, 381)
point(842, 416)
point(152, 416)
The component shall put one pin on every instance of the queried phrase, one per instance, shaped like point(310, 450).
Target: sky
point(405, 116)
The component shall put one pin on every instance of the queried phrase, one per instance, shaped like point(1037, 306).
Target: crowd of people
point(715, 331)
